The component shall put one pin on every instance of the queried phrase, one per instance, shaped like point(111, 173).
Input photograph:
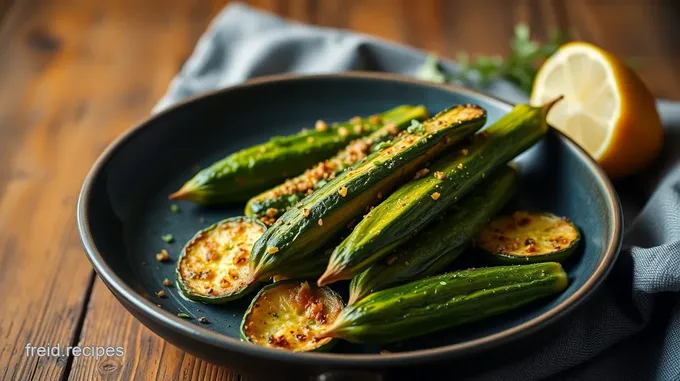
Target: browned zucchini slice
point(290, 314)
point(213, 266)
point(528, 237)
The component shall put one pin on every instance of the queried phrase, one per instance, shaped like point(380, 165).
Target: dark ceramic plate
point(123, 211)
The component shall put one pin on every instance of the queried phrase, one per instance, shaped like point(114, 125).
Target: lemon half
point(606, 109)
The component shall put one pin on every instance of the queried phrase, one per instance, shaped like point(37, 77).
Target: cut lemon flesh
point(606, 109)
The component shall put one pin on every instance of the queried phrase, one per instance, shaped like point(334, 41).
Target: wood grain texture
point(38, 183)
point(646, 31)
point(147, 357)
point(77, 73)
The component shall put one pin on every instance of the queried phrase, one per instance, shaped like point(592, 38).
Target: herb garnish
point(520, 67)
point(416, 127)
point(382, 145)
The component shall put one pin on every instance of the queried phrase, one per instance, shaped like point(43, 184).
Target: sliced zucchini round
point(529, 237)
point(213, 267)
point(290, 314)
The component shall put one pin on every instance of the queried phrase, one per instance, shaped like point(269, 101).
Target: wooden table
point(75, 74)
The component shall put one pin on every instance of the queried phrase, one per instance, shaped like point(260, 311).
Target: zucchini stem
point(548, 105)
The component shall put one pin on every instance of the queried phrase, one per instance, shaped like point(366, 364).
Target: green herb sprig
point(416, 127)
point(520, 67)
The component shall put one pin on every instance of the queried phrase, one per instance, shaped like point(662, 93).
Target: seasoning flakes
point(391, 128)
point(421, 173)
point(321, 126)
point(162, 256)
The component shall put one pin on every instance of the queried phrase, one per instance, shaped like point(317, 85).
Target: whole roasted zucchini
point(289, 315)
point(526, 237)
point(433, 249)
point(270, 204)
point(411, 207)
point(320, 217)
point(445, 301)
point(245, 173)
point(213, 266)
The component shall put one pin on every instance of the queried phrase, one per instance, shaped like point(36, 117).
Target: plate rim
point(198, 334)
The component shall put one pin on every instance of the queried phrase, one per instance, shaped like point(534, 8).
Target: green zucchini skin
point(435, 248)
point(274, 202)
point(310, 268)
point(243, 289)
point(445, 301)
point(411, 207)
point(245, 173)
point(288, 289)
point(509, 258)
point(320, 217)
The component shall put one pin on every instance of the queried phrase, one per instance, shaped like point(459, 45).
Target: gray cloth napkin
point(629, 330)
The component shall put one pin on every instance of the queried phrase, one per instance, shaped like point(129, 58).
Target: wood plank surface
point(74, 75)
point(77, 73)
point(646, 31)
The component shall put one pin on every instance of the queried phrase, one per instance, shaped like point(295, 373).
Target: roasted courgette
point(318, 218)
point(213, 266)
point(411, 207)
point(250, 171)
point(445, 301)
point(290, 315)
point(270, 204)
point(526, 237)
point(432, 250)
